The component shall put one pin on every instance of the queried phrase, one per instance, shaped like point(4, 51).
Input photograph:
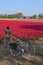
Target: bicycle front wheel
point(31, 48)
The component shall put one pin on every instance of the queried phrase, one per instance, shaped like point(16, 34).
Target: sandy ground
point(25, 59)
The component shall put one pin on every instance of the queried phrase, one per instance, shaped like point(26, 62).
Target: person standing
point(7, 40)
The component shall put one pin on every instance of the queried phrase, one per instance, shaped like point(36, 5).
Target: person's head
point(7, 27)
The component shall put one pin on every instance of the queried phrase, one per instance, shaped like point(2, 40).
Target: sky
point(27, 7)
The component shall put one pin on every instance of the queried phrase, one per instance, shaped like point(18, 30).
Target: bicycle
point(17, 49)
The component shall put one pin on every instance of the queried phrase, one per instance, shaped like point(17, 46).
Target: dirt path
point(26, 59)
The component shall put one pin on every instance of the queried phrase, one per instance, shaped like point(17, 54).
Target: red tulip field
point(22, 28)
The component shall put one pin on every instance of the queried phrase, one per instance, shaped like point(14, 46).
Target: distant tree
point(11, 16)
point(1, 15)
point(40, 15)
point(34, 16)
point(19, 15)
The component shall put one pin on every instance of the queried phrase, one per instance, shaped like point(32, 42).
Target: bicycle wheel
point(14, 52)
point(31, 48)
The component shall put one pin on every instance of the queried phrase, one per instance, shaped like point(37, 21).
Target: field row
point(23, 29)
